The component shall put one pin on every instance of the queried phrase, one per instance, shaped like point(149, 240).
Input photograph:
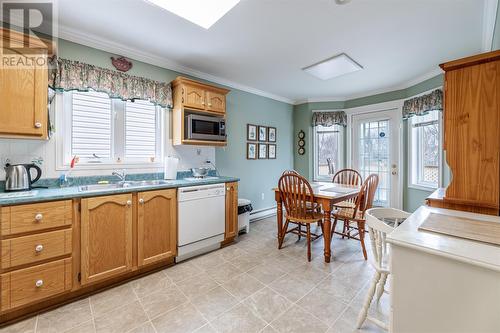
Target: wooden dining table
point(327, 195)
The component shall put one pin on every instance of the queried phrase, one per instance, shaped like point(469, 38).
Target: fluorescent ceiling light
point(333, 67)
point(201, 12)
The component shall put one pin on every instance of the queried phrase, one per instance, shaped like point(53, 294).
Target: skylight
point(201, 12)
point(333, 67)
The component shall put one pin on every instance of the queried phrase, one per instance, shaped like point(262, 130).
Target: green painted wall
point(257, 177)
point(496, 34)
point(412, 198)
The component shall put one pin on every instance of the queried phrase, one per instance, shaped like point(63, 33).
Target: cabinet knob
point(39, 248)
point(202, 102)
point(38, 125)
point(228, 188)
point(209, 104)
point(39, 283)
point(129, 203)
point(141, 201)
point(38, 217)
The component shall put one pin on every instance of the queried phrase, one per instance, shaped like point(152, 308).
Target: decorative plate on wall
point(302, 143)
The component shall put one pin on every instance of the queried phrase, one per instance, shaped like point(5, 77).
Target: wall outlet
point(262, 196)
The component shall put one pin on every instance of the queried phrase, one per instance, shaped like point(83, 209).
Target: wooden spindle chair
point(297, 197)
point(354, 218)
point(347, 177)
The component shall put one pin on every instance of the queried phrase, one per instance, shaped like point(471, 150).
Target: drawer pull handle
point(39, 248)
point(141, 201)
point(129, 203)
point(39, 283)
point(38, 217)
point(38, 125)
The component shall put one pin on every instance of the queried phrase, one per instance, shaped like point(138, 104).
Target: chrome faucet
point(120, 174)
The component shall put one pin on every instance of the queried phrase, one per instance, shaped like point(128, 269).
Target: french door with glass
point(375, 149)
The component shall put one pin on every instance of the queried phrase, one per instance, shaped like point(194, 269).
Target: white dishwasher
point(202, 219)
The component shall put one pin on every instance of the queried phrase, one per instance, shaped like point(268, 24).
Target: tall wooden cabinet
point(23, 88)
point(472, 134)
point(231, 212)
point(156, 226)
point(106, 237)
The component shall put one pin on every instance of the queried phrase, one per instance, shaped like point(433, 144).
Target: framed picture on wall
point(271, 134)
point(271, 151)
point(263, 133)
point(251, 151)
point(251, 132)
point(262, 151)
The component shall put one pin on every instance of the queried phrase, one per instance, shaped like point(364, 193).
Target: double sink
point(123, 184)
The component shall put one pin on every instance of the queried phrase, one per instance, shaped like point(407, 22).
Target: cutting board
point(482, 231)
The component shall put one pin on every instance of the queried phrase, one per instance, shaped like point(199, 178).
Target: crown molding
point(96, 42)
point(489, 19)
point(406, 85)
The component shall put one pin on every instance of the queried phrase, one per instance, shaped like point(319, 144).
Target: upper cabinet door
point(106, 239)
point(23, 94)
point(156, 226)
point(193, 96)
point(216, 102)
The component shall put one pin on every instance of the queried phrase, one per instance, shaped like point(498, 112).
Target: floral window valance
point(421, 105)
point(330, 118)
point(75, 75)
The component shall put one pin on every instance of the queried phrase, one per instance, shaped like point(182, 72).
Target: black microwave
point(198, 127)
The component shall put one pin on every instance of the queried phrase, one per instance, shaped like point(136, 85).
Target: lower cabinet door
point(156, 226)
point(106, 237)
point(231, 210)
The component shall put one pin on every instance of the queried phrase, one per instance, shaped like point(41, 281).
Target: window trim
point(316, 177)
point(63, 121)
point(411, 161)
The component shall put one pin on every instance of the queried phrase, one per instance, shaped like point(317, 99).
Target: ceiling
point(262, 45)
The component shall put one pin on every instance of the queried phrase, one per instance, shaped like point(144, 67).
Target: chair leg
point(366, 304)
point(300, 230)
point(361, 230)
point(381, 286)
point(344, 229)
point(308, 227)
point(280, 240)
point(322, 229)
point(332, 232)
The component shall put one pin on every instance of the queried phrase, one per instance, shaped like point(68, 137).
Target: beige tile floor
point(250, 286)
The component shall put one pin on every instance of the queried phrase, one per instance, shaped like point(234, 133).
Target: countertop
point(468, 251)
point(57, 193)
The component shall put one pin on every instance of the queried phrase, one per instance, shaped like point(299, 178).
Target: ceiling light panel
point(333, 67)
point(201, 12)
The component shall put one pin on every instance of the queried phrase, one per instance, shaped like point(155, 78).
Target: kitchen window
point(101, 130)
point(425, 151)
point(328, 145)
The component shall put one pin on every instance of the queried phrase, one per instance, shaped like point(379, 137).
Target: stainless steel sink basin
point(139, 183)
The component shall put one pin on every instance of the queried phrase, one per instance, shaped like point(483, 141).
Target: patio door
point(375, 149)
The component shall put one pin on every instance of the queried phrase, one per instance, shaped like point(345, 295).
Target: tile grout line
point(143, 309)
point(92, 315)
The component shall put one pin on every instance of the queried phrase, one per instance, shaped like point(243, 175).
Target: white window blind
point(91, 125)
point(140, 130)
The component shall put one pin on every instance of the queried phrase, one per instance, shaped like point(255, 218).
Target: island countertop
point(464, 250)
point(57, 193)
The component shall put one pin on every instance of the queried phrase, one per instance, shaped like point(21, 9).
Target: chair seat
point(348, 213)
point(312, 217)
point(345, 204)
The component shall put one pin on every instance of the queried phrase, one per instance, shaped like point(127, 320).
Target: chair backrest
point(347, 177)
point(378, 230)
point(364, 200)
point(296, 195)
point(290, 171)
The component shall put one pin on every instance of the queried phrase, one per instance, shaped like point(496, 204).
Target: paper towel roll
point(170, 167)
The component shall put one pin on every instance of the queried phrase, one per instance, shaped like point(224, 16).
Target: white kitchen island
point(442, 283)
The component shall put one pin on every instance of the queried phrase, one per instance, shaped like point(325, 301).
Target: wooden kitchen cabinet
point(23, 89)
point(193, 96)
point(231, 211)
point(156, 226)
point(106, 237)
point(216, 101)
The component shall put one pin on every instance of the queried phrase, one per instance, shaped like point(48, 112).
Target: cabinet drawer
point(35, 217)
point(35, 283)
point(34, 248)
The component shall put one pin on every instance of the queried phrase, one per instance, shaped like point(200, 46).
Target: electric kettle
point(18, 176)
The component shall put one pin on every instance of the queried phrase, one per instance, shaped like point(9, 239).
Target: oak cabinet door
point(216, 102)
point(193, 96)
point(157, 226)
point(23, 92)
point(231, 210)
point(106, 240)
